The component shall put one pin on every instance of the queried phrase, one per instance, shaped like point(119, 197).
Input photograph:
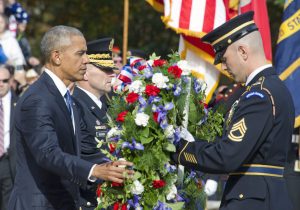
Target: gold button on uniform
point(241, 196)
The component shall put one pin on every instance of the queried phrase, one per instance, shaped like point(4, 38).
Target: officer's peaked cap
point(231, 31)
point(100, 53)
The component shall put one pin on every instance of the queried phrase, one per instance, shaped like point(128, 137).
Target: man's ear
point(242, 50)
point(55, 57)
point(85, 77)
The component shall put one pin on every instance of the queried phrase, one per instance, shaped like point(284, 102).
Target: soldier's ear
point(242, 50)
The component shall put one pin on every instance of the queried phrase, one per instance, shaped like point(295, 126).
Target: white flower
point(136, 87)
point(173, 192)
point(137, 188)
point(160, 80)
point(169, 131)
point(113, 132)
point(141, 119)
point(186, 69)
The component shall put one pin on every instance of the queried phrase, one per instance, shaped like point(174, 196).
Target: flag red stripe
point(209, 17)
point(185, 14)
point(199, 44)
point(261, 19)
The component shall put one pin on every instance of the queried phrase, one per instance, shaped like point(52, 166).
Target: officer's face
point(232, 64)
point(73, 59)
point(99, 80)
point(5, 81)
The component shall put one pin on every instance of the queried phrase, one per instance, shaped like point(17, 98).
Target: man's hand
point(113, 171)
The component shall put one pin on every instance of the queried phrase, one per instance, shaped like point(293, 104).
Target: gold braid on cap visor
point(233, 31)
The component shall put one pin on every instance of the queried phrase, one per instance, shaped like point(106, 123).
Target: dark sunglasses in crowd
point(4, 80)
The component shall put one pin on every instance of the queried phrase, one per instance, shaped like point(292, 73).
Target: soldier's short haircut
point(57, 38)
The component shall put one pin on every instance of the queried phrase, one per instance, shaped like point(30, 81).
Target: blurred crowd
point(15, 50)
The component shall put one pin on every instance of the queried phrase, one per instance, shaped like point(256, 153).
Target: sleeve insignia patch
point(255, 94)
point(189, 157)
point(238, 131)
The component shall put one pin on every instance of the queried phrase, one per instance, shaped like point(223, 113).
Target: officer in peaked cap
point(257, 130)
point(97, 82)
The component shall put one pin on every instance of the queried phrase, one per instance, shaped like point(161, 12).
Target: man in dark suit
point(48, 131)
point(253, 148)
point(97, 82)
point(7, 150)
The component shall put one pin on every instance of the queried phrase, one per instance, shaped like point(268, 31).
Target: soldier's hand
point(113, 171)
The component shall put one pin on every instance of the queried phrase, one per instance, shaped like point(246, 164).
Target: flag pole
point(125, 30)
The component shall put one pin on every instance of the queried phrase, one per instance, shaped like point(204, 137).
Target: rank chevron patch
point(238, 131)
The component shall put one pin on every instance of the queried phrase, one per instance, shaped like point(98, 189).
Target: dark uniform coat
point(95, 119)
point(253, 148)
point(49, 169)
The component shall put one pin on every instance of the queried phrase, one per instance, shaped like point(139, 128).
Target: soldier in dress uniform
point(97, 82)
point(258, 129)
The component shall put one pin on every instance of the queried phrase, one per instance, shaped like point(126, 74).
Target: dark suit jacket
point(95, 119)
point(12, 145)
point(49, 169)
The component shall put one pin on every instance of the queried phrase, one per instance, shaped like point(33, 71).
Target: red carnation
point(152, 90)
point(175, 70)
point(116, 206)
point(124, 206)
point(132, 97)
point(112, 147)
point(159, 62)
point(155, 116)
point(158, 183)
point(99, 191)
point(140, 68)
point(121, 116)
point(115, 184)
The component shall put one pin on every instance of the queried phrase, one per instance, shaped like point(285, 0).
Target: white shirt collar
point(58, 82)
point(7, 97)
point(93, 97)
point(256, 71)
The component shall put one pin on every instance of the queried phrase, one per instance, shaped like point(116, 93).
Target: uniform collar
point(257, 71)
point(93, 97)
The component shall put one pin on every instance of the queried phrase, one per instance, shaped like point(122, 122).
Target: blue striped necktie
point(68, 101)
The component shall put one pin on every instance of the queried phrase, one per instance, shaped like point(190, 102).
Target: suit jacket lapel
point(77, 128)
point(13, 104)
point(61, 103)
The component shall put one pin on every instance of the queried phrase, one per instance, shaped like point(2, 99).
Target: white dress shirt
point(6, 104)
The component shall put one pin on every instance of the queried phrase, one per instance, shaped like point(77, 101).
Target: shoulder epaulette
point(260, 82)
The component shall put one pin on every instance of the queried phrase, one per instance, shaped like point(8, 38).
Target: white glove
point(186, 135)
point(210, 187)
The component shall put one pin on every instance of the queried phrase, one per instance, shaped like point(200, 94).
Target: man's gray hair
point(57, 38)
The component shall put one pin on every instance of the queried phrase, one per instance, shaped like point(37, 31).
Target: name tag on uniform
point(100, 127)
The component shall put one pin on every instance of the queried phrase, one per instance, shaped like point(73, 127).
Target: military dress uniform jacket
point(95, 119)
point(49, 169)
point(253, 148)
